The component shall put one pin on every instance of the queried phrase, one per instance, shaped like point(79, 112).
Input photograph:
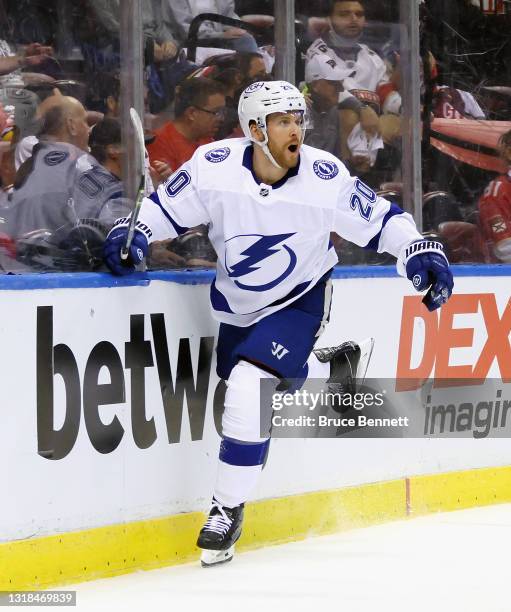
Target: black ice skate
point(348, 365)
point(219, 534)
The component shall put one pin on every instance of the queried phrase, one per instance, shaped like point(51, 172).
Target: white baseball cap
point(323, 67)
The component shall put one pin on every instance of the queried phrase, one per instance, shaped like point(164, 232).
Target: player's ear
point(256, 132)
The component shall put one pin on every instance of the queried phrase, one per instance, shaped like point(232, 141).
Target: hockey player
point(270, 204)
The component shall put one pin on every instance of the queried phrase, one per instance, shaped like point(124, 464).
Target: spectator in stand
point(246, 67)
point(495, 208)
point(252, 66)
point(109, 93)
point(99, 35)
point(448, 102)
point(27, 142)
point(166, 24)
point(364, 68)
point(365, 77)
point(29, 120)
point(331, 110)
point(231, 78)
point(39, 203)
point(237, 39)
point(323, 129)
point(452, 103)
point(199, 108)
point(235, 72)
point(161, 32)
point(64, 202)
point(105, 144)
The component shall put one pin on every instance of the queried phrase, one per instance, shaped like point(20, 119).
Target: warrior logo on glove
point(427, 267)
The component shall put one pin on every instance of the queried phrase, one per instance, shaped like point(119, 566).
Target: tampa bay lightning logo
point(53, 158)
point(218, 155)
point(244, 252)
point(326, 170)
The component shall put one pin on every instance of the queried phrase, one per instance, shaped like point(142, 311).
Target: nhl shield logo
point(325, 170)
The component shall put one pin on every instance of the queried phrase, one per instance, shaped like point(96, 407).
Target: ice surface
point(452, 562)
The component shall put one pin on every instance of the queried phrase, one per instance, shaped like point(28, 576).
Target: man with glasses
point(199, 108)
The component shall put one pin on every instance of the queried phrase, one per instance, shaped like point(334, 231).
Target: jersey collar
point(248, 163)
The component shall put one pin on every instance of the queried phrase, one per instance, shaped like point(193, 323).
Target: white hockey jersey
point(272, 241)
point(367, 71)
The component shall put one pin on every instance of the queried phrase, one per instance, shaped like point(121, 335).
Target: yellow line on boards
point(108, 551)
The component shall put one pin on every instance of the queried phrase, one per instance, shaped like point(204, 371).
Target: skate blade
point(216, 557)
point(366, 351)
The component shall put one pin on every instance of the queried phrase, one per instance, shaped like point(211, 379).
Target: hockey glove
point(116, 240)
point(427, 267)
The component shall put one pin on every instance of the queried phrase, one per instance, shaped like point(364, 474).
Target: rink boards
point(111, 411)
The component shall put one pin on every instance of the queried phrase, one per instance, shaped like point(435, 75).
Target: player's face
point(348, 19)
point(284, 137)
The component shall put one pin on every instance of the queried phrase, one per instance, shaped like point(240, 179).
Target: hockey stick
point(139, 131)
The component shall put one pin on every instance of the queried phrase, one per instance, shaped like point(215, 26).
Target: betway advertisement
point(111, 406)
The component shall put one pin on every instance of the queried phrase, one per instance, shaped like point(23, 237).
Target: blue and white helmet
point(263, 98)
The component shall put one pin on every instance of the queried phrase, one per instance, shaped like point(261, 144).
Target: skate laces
point(218, 522)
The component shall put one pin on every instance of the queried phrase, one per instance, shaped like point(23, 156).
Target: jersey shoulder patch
point(218, 155)
point(53, 158)
point(325, 169)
